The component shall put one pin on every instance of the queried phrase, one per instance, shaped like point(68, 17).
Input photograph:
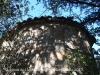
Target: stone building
point(47, 46)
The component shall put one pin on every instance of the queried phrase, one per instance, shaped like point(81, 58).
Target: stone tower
point(47, 46)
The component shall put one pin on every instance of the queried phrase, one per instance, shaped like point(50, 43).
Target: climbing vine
point(78, 61)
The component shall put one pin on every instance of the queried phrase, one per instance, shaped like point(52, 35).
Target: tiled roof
point(49, 19)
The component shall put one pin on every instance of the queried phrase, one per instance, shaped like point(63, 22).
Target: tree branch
point(90, 20)
point(83, 2)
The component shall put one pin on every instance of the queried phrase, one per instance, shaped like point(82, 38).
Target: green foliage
point(77, 60)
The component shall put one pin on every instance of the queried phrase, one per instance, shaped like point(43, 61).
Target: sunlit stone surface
point(41, 49)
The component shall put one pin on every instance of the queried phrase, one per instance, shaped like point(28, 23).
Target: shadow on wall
point(47, 50)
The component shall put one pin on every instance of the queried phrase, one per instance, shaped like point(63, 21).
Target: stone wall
point(48, 48)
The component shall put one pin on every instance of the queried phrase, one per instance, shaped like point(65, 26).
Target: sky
point(39, 10)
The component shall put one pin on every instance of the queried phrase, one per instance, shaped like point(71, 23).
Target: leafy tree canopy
point(11, 11)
